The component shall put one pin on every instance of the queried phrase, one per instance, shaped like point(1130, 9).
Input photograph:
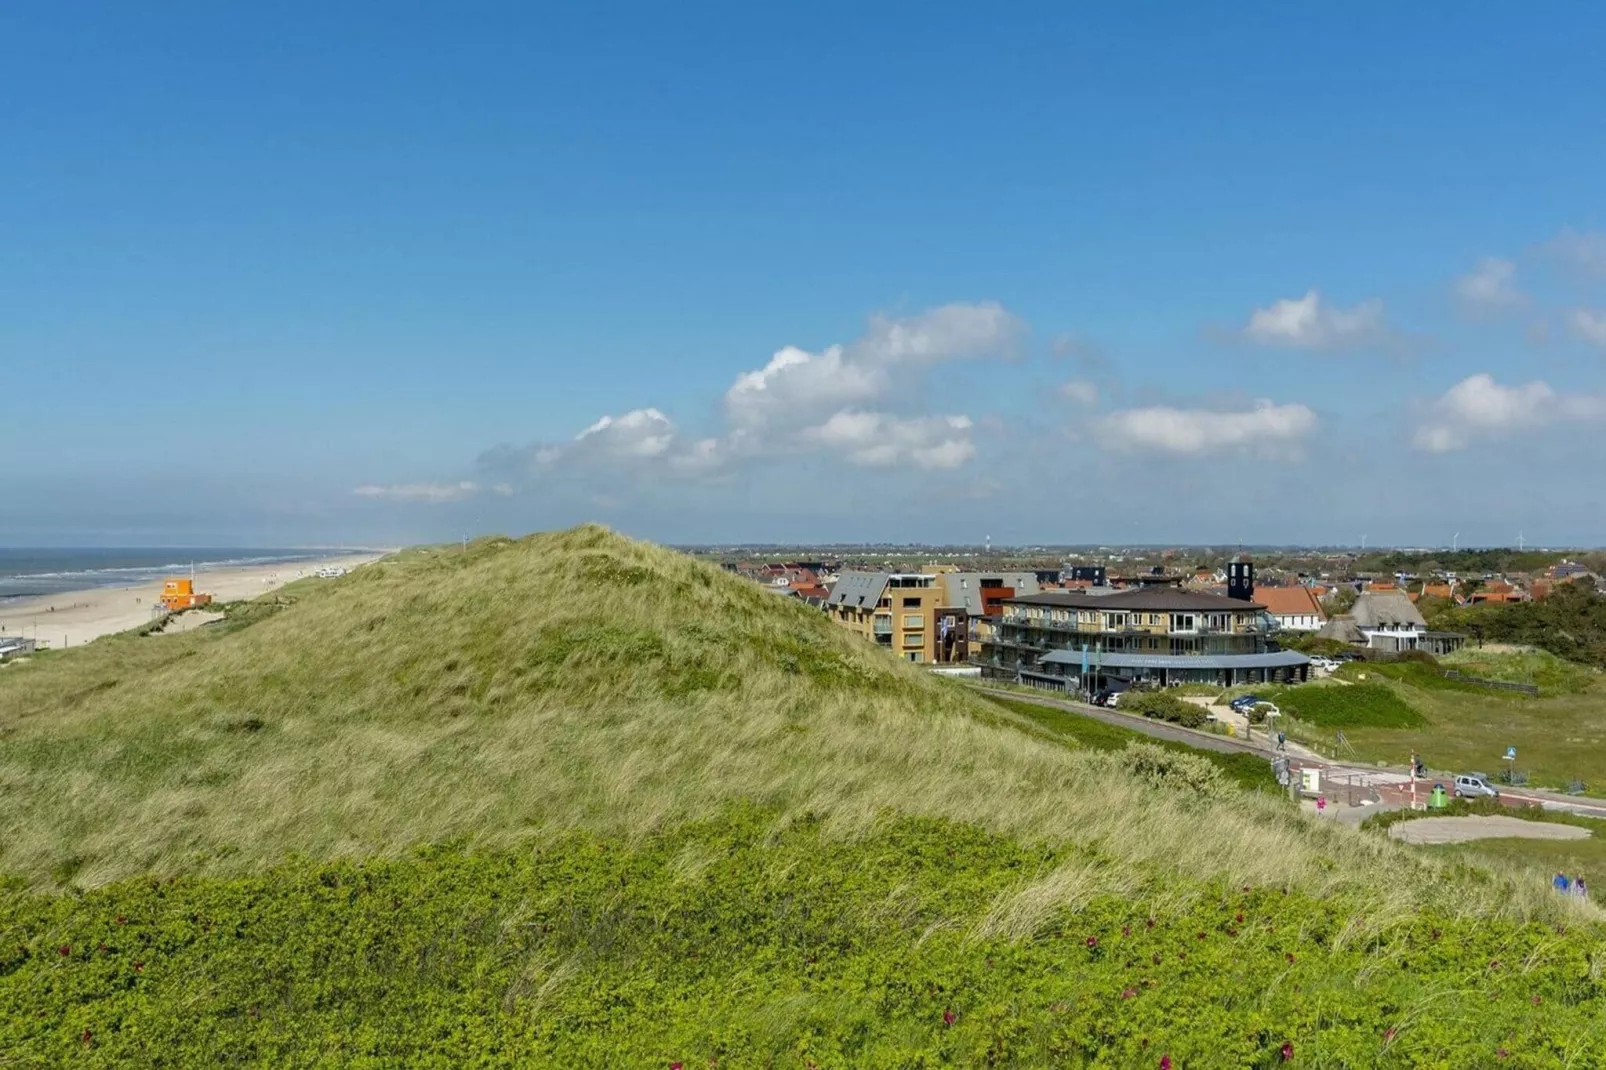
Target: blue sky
point(287, 274)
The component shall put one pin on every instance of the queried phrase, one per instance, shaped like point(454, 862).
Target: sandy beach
point(70, 618)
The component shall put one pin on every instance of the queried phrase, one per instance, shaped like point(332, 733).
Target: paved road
point(1157, 729)
point(1393, 785)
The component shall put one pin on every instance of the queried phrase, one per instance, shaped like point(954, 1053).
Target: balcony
point(883, 626)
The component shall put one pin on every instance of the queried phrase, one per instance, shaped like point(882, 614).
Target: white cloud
point(1478, 407)
point(878, 439)
point(796, 387)
point(637, 433)
point(1589, 325)
point(1584, 252)
point(949, 332)
point(1081, 392)
point(419, 492)
point(1306, 323)
point(1265, 426)
point(1491, 286)
point(800, 402)
point(797, 384)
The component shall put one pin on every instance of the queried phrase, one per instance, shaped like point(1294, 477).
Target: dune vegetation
point(577, 799)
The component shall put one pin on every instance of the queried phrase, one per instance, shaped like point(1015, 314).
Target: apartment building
point(904, 612)
point(1097, 638)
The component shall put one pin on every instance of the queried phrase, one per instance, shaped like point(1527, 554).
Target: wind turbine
point(1519, 542)
point(1454, 542)
point(1363, 540)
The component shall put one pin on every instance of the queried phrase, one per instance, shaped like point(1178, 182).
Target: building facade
point(1294, 609)
point(1087, 641)
point(906, 613)
point(1386, 620)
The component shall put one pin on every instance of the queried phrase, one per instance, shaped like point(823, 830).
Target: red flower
point(139, 967)
point(1289, 956)
point(1201, 936)
point(1389, 1033)
point(677, 1066)
point(1536, 1000)
point(65, 949)
point(1128, 993)
point(1165, 1062)
point(948, 1016)
point(1126, 930)
point(121, 920)
point(1239, 917)
point(1287, 1051)
point(1092, 941)
point(86, 1038)
point(1151, 923)
point(1503, 1053)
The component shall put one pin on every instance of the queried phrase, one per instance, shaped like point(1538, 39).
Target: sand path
point(1462, 829)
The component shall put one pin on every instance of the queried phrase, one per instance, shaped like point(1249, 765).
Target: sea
point(25, 573)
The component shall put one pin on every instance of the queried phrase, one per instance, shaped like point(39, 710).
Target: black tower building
point(1241, 578)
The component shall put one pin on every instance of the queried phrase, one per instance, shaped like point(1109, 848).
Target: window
point(913, 621)
point(1182, 622)
point(915, 656)
point(907, 602)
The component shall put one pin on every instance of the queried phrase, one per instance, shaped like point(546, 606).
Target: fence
point(1498, 685)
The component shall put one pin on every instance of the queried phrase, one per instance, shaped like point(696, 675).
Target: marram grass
point(516, 691)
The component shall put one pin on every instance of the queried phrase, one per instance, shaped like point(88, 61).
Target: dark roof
point(1146, 599)
point(858, 589)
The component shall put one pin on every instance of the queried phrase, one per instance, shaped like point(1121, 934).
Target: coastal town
point(1222, 622)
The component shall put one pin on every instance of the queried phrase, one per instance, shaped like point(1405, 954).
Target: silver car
point(1473, 786)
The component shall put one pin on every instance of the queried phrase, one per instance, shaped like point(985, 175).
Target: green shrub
point(1164, 706)
point(1359, 705)
point(747, 942)
point(1170, 769)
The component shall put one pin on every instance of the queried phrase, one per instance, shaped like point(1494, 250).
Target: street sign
point(1511, 754)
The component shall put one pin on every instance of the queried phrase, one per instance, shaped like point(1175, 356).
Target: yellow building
point(904, 612)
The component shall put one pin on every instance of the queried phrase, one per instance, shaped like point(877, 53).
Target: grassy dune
point(567, 681)
point(580, 800)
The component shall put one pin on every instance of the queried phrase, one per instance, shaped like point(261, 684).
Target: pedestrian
point(1282, 741)
point(1561, 884)
point(1579, 888)
point(1321, 804)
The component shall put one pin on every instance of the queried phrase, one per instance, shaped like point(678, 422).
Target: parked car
point(1243, 702)
point(1474, 786)
point(1324, 664)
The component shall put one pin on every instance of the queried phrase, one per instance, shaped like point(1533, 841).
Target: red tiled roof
point(1289, 601)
